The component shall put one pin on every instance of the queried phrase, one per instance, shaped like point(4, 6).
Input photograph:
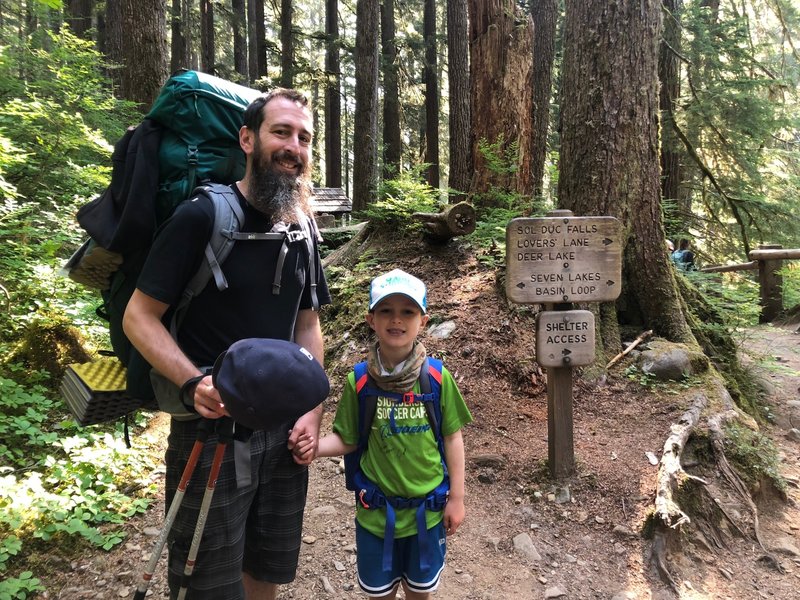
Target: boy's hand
point(454, 513)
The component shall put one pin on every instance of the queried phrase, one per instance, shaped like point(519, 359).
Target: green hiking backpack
point(189, 137)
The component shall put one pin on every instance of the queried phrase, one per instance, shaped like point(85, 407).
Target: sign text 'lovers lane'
point(563, 259)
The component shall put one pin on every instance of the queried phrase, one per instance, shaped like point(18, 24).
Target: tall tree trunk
point(207, 37)
point(669, 76)
point(460, 119)
point(256, 39)
point(365, 135)
point(609, 151)
point(392, 144)
point(102, 34)
point(333, 98)
point(545, 15)
point(287, 44)
point(239, 22)
point(501, 51)
point(79, 16)
point(180, 35)
point(431, 95)
point(113, 41)
point(144, 51)
point(695, 127)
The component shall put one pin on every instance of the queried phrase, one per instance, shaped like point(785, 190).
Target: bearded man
point(251, 539)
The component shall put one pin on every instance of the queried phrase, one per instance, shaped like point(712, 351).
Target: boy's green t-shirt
point(404, 462)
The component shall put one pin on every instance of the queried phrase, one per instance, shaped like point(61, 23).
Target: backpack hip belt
point(371, 497)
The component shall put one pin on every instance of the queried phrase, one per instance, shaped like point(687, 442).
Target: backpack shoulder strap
point(313, 234)
point(228, 220)
point(367, 403)
point(430, 385)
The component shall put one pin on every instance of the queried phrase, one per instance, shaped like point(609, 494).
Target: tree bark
point(501, 47)
point(460, 118)
point(545, 14)
point(365, 149)
point(256, 39)
point(431, 95)
point(179, 24)
point(392, 145)
point(144, 53)
point(333, 98)
point(207, 37)
point(669, 76)
point(113, 40)
point(287, 44)
point(80, 13)
point(609, 149)
point(239, 25)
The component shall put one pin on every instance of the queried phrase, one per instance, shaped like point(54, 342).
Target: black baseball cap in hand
point(265, 382)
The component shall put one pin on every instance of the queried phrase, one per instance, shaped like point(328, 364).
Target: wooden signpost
point(556, 261)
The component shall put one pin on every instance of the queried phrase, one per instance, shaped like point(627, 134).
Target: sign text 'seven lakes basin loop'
point(554, 260)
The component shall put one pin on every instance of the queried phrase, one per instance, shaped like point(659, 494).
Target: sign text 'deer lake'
point(563, 259)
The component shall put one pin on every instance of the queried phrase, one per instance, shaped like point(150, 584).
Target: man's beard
point(281, 196)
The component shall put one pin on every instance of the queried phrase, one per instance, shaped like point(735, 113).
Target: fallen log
point(453, 220)
point(346, 253)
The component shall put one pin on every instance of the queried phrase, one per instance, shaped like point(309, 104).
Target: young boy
point(402, 456)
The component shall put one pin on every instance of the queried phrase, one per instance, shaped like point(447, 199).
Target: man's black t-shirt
point(248, 308)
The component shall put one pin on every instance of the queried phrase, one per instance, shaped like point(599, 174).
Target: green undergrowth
point(754, 456)
point(718, 308)
point(62, 487)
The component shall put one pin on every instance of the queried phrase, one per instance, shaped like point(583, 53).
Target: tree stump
point(453, 220)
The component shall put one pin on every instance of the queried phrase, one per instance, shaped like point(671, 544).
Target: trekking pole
point(203, 429)
point(225, 433)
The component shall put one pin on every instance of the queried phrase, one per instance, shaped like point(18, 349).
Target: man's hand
point(304, 438)
point(207, 401)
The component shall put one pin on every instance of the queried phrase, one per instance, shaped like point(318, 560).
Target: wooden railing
point(768, 259)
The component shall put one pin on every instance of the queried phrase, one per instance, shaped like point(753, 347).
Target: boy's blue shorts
point(405, 563)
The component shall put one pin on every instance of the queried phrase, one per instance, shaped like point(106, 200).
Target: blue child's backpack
point(367, 493)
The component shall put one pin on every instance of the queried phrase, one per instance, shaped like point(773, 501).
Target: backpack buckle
point(295, 235)
point(408, 398)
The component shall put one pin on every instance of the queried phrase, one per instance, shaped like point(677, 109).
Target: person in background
point(683, 257)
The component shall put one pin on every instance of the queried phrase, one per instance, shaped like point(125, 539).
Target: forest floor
point(526, 536)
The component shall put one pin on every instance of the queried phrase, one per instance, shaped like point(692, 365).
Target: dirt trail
point(585, 536)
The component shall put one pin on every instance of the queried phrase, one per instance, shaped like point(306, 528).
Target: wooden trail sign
point(563, 259)
point(558, 260)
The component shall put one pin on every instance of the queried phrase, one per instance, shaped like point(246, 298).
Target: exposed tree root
point(670, 472)
point(715, 427)
point(669, 516)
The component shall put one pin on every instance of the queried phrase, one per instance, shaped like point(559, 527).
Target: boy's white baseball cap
point(398, 282)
